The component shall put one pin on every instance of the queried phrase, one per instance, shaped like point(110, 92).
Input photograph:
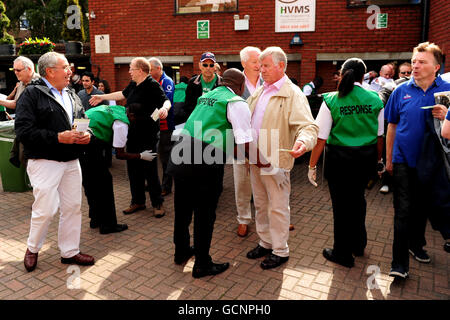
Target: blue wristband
point(448, 115)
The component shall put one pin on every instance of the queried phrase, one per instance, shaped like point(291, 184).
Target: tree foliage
point(45, 17)
point(5, 37)
point(73, 29)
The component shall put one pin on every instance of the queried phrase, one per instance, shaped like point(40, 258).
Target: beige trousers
point(272, 210)
point(242, 192)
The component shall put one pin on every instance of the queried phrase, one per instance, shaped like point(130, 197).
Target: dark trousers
point(386, 180)
point(98, 183)
point(140, 171)
point(410, 217)
point(348, 170)
point(165, 146)
point(198, 194)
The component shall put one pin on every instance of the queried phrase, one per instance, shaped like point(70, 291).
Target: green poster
point(202, 29)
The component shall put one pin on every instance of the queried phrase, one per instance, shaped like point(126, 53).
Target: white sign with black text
point(295, 15)
point(102, 43)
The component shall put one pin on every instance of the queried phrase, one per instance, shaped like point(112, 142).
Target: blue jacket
point(169, 88)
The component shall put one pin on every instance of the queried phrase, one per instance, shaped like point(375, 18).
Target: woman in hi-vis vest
point(351, 126)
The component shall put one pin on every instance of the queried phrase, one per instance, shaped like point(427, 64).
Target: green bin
point(13, 179)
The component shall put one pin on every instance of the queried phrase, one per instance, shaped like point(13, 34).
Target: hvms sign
point(295, 15)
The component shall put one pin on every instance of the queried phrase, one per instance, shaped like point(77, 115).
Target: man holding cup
point(44, 118)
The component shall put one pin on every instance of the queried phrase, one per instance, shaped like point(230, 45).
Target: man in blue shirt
point(406, 130)
point(167, 125)
point(89, 89)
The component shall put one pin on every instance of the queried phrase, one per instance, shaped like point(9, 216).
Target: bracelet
point(312, 168)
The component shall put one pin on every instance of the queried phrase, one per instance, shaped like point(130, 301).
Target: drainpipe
point(425, 20)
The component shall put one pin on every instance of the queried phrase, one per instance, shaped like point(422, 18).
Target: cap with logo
point(208, 56)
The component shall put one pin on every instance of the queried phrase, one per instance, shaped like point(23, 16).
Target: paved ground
point(138, 263)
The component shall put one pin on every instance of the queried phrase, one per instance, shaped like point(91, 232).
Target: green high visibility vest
point(102, 119)
point(355, 117)
point(179, 94)
point(208, 122)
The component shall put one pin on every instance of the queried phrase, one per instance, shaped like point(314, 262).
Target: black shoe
point(93, 224)
point(211, 270)
point(447, 246)
point(420, 255)
point(329, 255)
point(116, 228)
point(182, 258)
point(358, 253)
point(398, 272)
point(273, 261)
point(258, 252)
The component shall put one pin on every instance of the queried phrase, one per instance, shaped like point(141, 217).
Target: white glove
point(148, 155)
point(312, 175)
point(278, 174)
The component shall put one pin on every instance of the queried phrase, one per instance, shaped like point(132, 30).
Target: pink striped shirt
point(269, 91)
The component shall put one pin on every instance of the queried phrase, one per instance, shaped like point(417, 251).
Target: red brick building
point(153, 28)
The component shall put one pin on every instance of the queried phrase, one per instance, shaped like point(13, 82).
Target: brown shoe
point(242, 230)
point(291, 227)
point(159, 211)
point(133, 208)
point(30, 260)
point(80, 259)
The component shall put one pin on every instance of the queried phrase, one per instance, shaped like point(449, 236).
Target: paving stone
point(137, 264)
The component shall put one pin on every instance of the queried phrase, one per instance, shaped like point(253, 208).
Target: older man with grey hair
point(284, 129)
point(167, 125)
point(24, 70)
point(241, 174)
point(44, 117)
point(142, 137)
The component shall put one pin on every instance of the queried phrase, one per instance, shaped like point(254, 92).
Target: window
point(205, 6)
point(365, 3)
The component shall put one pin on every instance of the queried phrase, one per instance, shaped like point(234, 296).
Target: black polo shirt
point(142, 135)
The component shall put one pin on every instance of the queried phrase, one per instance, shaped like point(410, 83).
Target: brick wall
point(325, 69)
point(439, 27)
point(138, 28)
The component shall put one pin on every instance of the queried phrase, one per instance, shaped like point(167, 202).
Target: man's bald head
point(234, 79)
point(386, 71)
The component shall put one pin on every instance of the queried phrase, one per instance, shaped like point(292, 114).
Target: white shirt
point(120, 133)
point(446, 76)
point(325, 121)
point(238, 114)
point(63, 99)
point(307, 90)
point(378, 83)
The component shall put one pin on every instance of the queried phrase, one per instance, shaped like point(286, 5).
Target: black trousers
point(98, 183)
point(164, 149)
point(348, 170)
point(198, 194)
point(140, 171)
point(410, 218)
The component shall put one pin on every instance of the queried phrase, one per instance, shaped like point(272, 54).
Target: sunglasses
point(211, 65)
point(405, 72)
